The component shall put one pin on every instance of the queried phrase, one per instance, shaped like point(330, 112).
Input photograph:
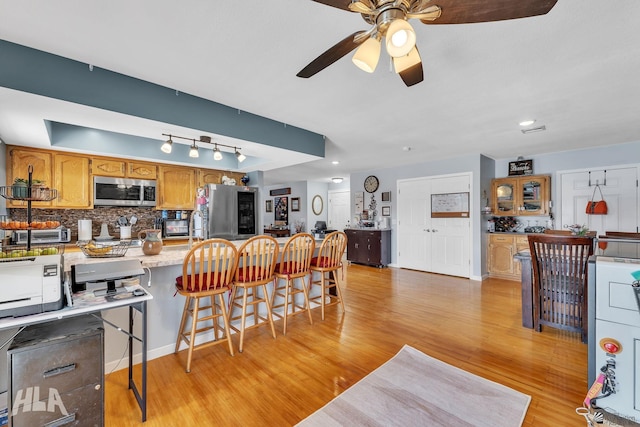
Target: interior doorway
point(425, 241)
point(338, 210)
point(619, 189)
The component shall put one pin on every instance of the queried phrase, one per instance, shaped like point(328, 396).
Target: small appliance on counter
point(55, 235)
point(175, 228)
point(320, 230)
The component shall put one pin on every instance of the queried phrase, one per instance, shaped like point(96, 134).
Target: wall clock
point(371, 184)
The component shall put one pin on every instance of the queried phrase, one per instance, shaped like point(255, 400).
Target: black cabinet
point(370, 247)
point(56, 374)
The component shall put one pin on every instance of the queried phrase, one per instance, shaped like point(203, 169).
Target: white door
point(438, 245)
point(620, 191)
point(338, 210)
point(414, 232)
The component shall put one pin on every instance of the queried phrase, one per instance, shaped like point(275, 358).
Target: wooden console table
point(277, 232)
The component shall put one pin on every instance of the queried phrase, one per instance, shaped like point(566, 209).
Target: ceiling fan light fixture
point(166, 147)
point(405, 62)
point(400, 38)
point(193, 151)
point(367, 55)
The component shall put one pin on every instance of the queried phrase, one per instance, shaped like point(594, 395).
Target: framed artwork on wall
point(295, 204)
point(386, 196)
point(386, 211)
point(281, 207)
point(268, 205)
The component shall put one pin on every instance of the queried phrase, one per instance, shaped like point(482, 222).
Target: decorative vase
point(151, 241)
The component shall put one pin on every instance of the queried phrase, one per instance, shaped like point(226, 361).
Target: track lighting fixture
point(241, 157)
point(166, 147)
point(217, 155)
point(193, 150)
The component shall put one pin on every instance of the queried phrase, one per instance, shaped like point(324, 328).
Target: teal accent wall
point(34, 71)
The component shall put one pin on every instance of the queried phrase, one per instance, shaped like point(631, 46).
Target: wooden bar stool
point(328, 263)
point(295, 263)
point(256, 264)
point(207, 272)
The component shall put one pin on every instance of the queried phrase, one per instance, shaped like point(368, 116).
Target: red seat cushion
point(194, 286)
point(322, 262)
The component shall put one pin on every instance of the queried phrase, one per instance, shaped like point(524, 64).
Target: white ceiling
point(575, 70)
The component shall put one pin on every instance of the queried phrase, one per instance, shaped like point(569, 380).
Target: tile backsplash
point(99, 215)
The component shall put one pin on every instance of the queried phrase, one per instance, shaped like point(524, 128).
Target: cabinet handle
point(61, 421)
point(427, 230)
point(434, 230)
point(59, 370)
point(356, 245)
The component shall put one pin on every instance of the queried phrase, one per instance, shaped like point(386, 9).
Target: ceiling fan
point(389, 20)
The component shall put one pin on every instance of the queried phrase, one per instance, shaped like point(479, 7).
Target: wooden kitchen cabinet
point(73, 181)
point(502, 248)
point(522, 195)
point(176, 187)
point(18, 161)
point(212, 176)
point(370, 247)
point(123, 169)
point(141, 170)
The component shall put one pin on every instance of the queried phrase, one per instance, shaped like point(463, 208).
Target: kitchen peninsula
point(164, 310)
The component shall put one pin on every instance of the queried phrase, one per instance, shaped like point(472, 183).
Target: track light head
point(166, 147)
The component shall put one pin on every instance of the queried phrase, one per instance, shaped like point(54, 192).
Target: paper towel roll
point(84, 229)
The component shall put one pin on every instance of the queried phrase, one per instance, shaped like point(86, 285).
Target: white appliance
point(617, 330)
point(31, 284)
point(108, 191)
point(55, 235)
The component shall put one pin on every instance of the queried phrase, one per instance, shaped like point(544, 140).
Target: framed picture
point(386, 211)
point(295, 204)
point(281, 209)
point(268, 205)
point(386, 196)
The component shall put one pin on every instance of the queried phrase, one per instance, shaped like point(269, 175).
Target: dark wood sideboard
point(369, 247)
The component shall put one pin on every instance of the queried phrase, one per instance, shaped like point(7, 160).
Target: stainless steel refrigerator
point(229, 211)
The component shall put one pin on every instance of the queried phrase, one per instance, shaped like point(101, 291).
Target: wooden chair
point(559, 265)
point(257, 259)
point(295, 263)
point(328, 263)
point(207, 272)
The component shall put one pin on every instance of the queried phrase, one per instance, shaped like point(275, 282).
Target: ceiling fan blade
point(332, 54)
point(473, 11)
point(340, 4)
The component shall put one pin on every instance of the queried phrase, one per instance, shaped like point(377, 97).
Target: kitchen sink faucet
point(191, 230)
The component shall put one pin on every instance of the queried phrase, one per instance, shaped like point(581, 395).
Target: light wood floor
point(474, 326)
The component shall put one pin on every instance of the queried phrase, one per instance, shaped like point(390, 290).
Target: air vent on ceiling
point(532, 130)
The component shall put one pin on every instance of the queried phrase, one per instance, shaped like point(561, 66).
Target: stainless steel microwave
point(109, 191)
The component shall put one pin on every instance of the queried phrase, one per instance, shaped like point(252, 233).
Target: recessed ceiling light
point(527, 122)
point(335, 162)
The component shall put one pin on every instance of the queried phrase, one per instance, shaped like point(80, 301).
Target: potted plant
point(20, 190)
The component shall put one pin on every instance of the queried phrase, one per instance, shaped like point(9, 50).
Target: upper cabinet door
point(19, 161)
point(176, 187)
point(534, 195)
point(108, 167)
point(73, 181)
point(504, 196)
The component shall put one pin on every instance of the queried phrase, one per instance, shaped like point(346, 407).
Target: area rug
point(413, 389)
